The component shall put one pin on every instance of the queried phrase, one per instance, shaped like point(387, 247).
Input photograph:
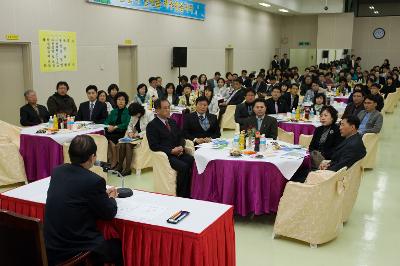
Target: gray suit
point(375, 121)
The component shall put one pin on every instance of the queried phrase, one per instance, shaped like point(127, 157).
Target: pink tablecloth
point(341, 99)
point(178, 117)
point(297, 129)
point(251, 187)
point(41, 154)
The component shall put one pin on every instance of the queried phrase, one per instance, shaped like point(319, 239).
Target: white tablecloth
point(61, 137)
point(282, 119)
point(143, 207)
point(285, 161)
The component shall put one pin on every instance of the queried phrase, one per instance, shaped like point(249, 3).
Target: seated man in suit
point(276, 104)
point(76, 199)
point(92, 110)
point(164, 135)
point(201, 126)
point(375, 89)
point(310, 94)
point(32, 114)
point(263, 123)
point(245, 110)
point(292, 97)
point(371, 119)
point(351, 149)
point(260, 87)
point(356, 106)
point(236, 97)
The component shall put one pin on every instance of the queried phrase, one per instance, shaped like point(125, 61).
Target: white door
point(13, 81)
point(127, 62)
point(229, 60)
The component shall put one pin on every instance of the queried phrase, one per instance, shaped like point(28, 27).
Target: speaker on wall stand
point(179, 58)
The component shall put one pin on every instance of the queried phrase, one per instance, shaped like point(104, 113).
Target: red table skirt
point(145, 244)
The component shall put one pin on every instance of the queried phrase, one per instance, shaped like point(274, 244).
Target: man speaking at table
point(76, 199)
point(163, 135)
point(263, 123)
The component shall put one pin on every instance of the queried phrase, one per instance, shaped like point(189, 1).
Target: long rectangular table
point(205, 237)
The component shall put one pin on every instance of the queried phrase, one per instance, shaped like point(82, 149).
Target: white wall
point(335, 31)
point(253, 34)
point(371, 50)
point(297, 29)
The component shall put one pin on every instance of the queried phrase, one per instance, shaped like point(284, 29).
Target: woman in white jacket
point(213, 107)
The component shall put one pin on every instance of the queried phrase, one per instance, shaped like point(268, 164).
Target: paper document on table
point(294, 154)
point(138, 212)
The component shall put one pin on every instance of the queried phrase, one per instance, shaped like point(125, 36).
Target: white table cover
point(143, 207)
point(286, 162)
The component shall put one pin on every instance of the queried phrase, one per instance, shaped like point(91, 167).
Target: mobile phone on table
point(177, 217)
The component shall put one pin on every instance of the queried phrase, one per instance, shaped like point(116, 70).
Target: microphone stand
point(123, 192)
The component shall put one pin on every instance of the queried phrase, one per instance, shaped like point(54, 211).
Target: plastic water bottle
point(51, 121)
point(293, 113)
point(263, 143)
point(236, 141)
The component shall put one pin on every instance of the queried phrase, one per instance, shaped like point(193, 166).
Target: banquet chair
point(371, 141)
point(16, 229)
point(141, 156)
point(305, 140)
point(285, 136)
point(390, 101)
point(12, 168)
point(352, 181)
point(102, 146)
point(228, 119)
point(312, 212)
point(10, 131)
point(237, 128)
point(164, 175)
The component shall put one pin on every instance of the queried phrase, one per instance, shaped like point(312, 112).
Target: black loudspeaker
point(325, 54)
point(345, 51)
point(179, 56)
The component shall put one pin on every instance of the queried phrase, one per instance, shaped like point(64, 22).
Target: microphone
point(123, 192)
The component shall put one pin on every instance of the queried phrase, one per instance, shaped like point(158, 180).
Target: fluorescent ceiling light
point(264, 4)
point(371, 7)
point(283, 10)
point(376, 12)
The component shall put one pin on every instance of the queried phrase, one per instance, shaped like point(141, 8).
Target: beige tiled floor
point(369, 238)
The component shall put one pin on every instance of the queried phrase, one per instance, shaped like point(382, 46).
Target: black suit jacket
point(76, 199)
point(161, 139)
point(332, 141)
point(238, 98)
point(275, 64)
point(242, 113)
point(262, 87)
point(282, 106)
point(247, 83)
point(192, 128)
point(99, 112)
point(348, 152)
point(288, 98)
point(351, 109)
point(29, 117)
point(285, 63)
point(269, 126)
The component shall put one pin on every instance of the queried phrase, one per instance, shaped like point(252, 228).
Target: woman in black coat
point(326, 137)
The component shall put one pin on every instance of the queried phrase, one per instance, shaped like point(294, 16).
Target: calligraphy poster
point(57, 51)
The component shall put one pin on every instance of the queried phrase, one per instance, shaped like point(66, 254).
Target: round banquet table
point(298, 128)
point(341, 99)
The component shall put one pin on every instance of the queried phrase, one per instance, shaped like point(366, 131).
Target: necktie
point(91, 110)
point(249, 110)
point(203, 123)
point(167, 125)
point(259, 123)
point(276, 108)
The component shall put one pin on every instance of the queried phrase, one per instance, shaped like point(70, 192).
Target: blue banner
point(180, 8)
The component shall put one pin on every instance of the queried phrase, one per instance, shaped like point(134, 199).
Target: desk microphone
point(123, 192)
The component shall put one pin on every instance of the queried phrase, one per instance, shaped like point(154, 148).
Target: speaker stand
point(179, 75)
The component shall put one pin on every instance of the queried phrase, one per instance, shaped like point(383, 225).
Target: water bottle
point(51, 121)
point(236, 141)
point(294, 113)
point(263, 143)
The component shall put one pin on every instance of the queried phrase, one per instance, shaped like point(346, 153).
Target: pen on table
point(175, 215)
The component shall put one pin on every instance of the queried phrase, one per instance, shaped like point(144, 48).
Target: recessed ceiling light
point(376, 12)
point(264, 4)
point(283, 10)
point(371, 7)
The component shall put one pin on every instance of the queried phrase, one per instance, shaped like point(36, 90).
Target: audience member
point(213, 83)
point(102, 97)
point(171, 95)
point(389, 87)
point(152, 89)
point(356, 105)
point(263, 123)
point(92, 110)
point(183, 80)
point(245, 110)
point(60, 102)
point(187, 100)
point(292, 97)
point(371, 119)
point(164, 135)
point(235, 98)
point(285, 62)
point(379, 99)
point(142, 96)
point(112, 91)
point(318, 103)
point(213, 107)
point(32, 113)
point(276, 104)
point(310, 94)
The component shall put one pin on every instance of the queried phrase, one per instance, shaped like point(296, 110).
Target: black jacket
point(242, 112)
point(61, 104)
point(380, 102)
point(285, 63)
point(288, 98)
point(388, 89)
point(192, 128)
point(304, 88)
point(269, 126)
point(282, 106)
point(275, 64)
point(262, 87)
point(29, 117)
point(76, 199)
point(99, 113)
point(237, 98)
point(347, 153)
point(351, 109)
point(332, 141)
point(161, 139)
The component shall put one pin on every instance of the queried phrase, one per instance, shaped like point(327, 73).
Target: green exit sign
point(303, 44)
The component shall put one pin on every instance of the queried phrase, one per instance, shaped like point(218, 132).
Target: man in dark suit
point(236, 97)
point(164, 135)
point(276, 104)
point(263, 123)
point(292, 97)
point(356, 105)
point(248, 83)
point(243, 77)
point(76, 199)
point(201, 126)
point(260, 86)
point(245, 110)
point(285, 62)
point(275, 62)
point(212, 83)
point(92, 110)
point(32, 114)
point(351, 149)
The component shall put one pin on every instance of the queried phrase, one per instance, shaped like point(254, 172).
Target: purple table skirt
point(297, 129)
point(41, 155)
point(251, 187)
point(178, 119)
point(341, 100)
